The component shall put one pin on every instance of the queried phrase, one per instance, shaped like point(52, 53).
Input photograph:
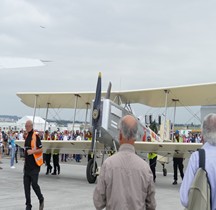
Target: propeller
point(92, 164)
point(96, 110)
point(91, 169)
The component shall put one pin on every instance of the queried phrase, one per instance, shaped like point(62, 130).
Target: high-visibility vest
point(38, 157)
point(152, 155)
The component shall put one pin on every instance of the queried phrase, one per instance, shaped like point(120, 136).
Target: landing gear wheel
point(90, 174)
point(164, 171)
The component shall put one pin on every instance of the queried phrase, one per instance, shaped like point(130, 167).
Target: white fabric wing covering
point(16, 62)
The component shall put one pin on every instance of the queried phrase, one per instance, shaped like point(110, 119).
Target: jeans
point(12, 151)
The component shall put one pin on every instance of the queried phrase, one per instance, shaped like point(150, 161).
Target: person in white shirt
point(20, 135)
point(209, 138)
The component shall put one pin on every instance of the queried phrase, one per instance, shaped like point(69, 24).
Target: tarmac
point(70, 190)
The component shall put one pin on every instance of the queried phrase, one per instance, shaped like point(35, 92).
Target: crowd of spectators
point(7, 142)
point(190, 138)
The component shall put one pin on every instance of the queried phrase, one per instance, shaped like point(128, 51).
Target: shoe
point(28, 207)
point(41, 206)
point(12, 167)
point(175, 182)
point(54, 173)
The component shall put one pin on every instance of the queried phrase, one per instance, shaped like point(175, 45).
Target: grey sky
point(135, 44)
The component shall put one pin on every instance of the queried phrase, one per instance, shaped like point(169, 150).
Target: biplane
point(106, 110)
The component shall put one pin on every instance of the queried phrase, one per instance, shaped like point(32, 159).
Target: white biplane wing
point(168, 149)
point(18, 62)
point(57, 99)
point(65, 147)
point(76, 147)
point(192, 95)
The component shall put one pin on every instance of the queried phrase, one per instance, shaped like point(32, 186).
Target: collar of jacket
point(31, 132)
point(127, 148)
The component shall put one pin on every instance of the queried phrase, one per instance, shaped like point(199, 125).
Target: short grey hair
point(29, 122)
point(129, 132)
point(209, 129)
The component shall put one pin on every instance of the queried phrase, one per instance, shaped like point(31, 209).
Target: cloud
point(21, 13)
point(136, 44)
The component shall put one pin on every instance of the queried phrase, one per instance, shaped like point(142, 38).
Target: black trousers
point(56, 163)
point(31, 178)
point(48, 159)
point(64, 157)
point(178, 164)
point(153, 163)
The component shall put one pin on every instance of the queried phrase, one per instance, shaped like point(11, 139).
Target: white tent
point(39, 122)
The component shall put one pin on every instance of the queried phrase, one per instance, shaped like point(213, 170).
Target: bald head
point(209, 129)
point(29, 125)
point(128, 129)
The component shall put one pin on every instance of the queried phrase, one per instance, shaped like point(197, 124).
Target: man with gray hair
point(125, 180)
point(209, 138)
point(33, 162)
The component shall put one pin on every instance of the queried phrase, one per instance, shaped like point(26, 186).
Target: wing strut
point(173, 126)
point(76, 101)
point(165, 128)
point(87, 107)
point(48, 104)
point(35, 105)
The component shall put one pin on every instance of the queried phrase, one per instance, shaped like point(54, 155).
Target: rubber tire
point(165, 172)
point(91, 178)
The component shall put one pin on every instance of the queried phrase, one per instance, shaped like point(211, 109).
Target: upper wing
point(192, 95)
point(57, 100)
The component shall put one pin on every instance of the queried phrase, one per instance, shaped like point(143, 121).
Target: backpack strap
point(202, 159)
point(202, 165)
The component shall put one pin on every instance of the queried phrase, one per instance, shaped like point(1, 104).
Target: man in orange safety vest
point(33, 161)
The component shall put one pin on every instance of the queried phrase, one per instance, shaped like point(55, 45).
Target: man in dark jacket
point(33, 160)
